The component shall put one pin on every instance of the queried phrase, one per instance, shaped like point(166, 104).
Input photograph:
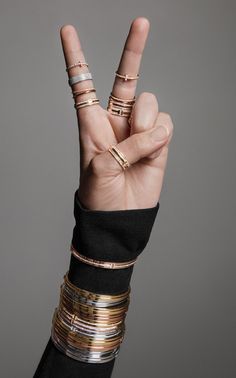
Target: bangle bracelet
point(101, 264)
point(78, 293)
point(86, 330)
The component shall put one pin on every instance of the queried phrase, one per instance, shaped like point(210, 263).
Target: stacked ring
point(119, 106)
point(78, 79)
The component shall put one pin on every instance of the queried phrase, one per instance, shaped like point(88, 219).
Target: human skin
point(103, 184)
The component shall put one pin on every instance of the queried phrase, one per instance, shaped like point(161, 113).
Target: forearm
point(103, 235)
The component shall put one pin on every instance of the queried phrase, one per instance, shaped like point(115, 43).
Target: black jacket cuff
point(119, 235)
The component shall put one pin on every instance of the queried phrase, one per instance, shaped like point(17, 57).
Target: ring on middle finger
point(119, 106)
point(126, 76)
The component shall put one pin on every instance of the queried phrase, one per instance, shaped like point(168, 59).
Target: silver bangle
point(78, 78)
point(80, 355)
point(90, 302)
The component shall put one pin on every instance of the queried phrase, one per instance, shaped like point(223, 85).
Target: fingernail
point(160, 133)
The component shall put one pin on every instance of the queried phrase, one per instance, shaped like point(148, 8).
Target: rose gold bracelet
point(101, 264)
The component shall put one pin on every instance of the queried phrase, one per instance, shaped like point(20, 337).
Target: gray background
point(181, 322)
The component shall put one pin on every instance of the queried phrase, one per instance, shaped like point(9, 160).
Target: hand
point(104, 185)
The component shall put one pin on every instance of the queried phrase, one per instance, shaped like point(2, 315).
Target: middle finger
point(131, 59)
point(129, 65)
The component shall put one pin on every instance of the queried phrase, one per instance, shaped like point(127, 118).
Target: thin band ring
point(123, 100)
point(82, 104)
point(119, 111)
point(85, 91)
point(78, 64)
point(126, 76)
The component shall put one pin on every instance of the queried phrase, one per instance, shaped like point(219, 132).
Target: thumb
point(140, 145)
point(134, 148)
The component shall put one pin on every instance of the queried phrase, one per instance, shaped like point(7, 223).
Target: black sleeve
point(118, 235)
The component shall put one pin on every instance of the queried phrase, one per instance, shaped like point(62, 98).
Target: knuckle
point(166, 119)
point(141, 143)
point(147, 95)
point(138, 143)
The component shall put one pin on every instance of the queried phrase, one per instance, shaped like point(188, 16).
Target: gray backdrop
point(181, 321)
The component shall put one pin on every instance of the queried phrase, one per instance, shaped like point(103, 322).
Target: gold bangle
point(101, 264)
point(92, 310)
point(95, 296)
point(89, 327)
point(74, 318)
point(81, 341)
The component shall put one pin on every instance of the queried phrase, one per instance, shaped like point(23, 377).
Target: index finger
point(94, 128)
point(81, 83)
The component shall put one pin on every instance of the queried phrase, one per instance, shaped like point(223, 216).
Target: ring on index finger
point(78, 64)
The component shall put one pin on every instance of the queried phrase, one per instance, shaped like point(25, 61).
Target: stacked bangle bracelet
point(89, 327)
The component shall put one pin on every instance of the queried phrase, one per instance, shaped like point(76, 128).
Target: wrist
point(118, 236)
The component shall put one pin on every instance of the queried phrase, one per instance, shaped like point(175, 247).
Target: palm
point(104, 185)
point(109, 186)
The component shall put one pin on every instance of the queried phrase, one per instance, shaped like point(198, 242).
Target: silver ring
point(78, 78)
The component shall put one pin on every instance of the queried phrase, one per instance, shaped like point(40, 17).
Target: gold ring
point(84, 91)
point(89, 102)
point(78, 64)
point(119, 106)
point(126, 76)
point(119, 156)
point(123, 100)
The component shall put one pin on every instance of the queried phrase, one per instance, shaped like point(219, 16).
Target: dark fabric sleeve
point(118, 235)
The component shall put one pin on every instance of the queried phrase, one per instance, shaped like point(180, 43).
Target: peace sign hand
point(104, 184)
